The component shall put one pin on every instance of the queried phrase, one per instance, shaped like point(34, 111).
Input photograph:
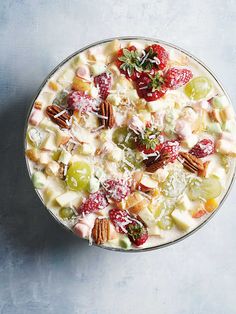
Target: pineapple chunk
point(52, 168)
point(32, 154)
point(147, 216)
point(65, 157)
point(66, 77)
point(80, 84)
point(44, 158)
point(49, 143)
point(97, 68)
point(182, 219)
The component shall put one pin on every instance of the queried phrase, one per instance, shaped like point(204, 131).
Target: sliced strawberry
point(120, 219)
point(170, 149)
point(96, 201)
point(78, 100)
point(175, 77)
point(117, 189)
point(156, 53)
point(151, 87)
point(128, 62)
point(203, 148)
point(137, 233)
point(103, 82)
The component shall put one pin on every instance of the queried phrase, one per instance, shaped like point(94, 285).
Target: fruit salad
point(131, 144)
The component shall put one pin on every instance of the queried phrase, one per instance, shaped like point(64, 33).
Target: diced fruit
point(44, 157)
point(154, 231)
point(86, 149)
point(147, 184)
point(83, 72)
point(199, 213)
point(120, 219)
point(66, 198)
point(65, 157)
point(203, 148)
point(165, 222)
point(117, 189)
point(49, 143)
point(103, 82)
point(181, 219)
point(125, 243)
point(198, 88)
point(174, 184)
point(97, 68)
point(175, 77)
point(94, 185)
point(220, 102)
point(206, 189)
point(123, 138)
point(62, 138)
point(32, 154)
point(80, 84)
point(132, 201)
point(226, 147)
point(52, 168)
point(34, 136)
point(214, 127)
point(39, 180)
point(227, 114)
point(137, 233)
point(36, 117)
point(115, 155)
point(146, 215)
point(66, 213)
point(95, 202)
point(184, 203)
point(78, 176)
point(151, 87)
point(211, 205)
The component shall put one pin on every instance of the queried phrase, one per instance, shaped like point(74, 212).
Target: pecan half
point(190, 162)
point(106, 111)
point(155, 162)
point(101, 231)
point(203, 173)
point(59, 116)
point(61, 171)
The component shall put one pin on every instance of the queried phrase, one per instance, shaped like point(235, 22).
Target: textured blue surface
point(43, 268)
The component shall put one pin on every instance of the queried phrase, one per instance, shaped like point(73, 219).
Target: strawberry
point(175, 77)
point(117, 189)
point(78, 100)
point(156, 53)
point(120, 219)
point(170, 149)
point(128, 62)
point(150, 140)
point(96, 201)
point(203, 148)
point(151, 87)
point(199, 213)
point(137, 233)
point(103, 82)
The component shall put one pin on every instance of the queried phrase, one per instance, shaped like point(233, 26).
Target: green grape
point(122, 137)
point(66, 213)
point(207, 189)
point(175, 184)
point(78, 176)
point(165, 222)
point(132, 158)
point(198, 88)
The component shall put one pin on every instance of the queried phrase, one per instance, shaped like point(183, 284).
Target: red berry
point(103, 82)
point(119, 64)
point(78, 100)
point(203, 148)
point(150, 87)
point(170, 149)
point(137, 233)
point(175, 78)
point(161, 55)
point(120, 219)
point(117, 189)
point(96, 201)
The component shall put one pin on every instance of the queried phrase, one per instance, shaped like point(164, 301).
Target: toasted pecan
point(107, 115)
point(101, 231)
point(190, 162)
point(59, 116)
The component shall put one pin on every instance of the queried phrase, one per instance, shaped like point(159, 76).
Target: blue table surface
point(45, 269)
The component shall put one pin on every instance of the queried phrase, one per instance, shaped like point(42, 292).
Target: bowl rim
point(55, 69)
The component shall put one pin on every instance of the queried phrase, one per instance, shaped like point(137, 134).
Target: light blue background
point(43, 268)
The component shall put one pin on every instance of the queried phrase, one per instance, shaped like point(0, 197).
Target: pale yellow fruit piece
point(66, 198)
point(32, 154)
point(182, 219)
point(80, 84)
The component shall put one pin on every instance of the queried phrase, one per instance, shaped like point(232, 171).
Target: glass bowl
point(127, 38)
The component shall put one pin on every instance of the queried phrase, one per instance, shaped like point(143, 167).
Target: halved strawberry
point(117, 189)
point(103, 82)
point(177, 77)
point(137, 233)
point(151, 87)
point(120, 219)
point(96, 201)
point(203, 148)
point(170, 149)
point(150, 140)
point(78, 100)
